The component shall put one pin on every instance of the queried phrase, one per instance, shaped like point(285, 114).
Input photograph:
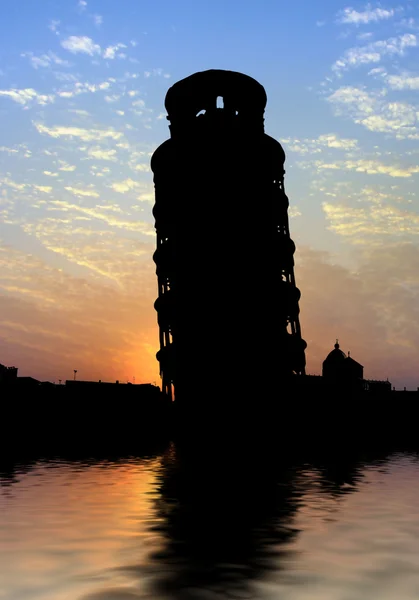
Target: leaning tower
point(227, 303)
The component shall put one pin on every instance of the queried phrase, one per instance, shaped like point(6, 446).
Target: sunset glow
point(82, 87)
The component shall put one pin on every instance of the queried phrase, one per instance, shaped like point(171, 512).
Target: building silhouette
point(342, 372)
point(341, 367)
point(227, 303)
point(8, 374)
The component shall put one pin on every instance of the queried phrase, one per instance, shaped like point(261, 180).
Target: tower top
point(337, 344)
point(200, 91)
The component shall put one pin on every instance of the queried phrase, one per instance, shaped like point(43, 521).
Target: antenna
point(75, 373)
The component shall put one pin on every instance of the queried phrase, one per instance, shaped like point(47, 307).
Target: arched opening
point(201, 112)
point(220, 102)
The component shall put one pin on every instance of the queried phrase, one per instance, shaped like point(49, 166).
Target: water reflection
point(227, 518)
point(67, 525)
point(210, 522)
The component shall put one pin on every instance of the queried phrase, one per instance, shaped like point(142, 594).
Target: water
point(176, 525)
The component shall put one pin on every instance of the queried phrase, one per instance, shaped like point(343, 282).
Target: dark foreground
point(45, 421)
point(121, 498)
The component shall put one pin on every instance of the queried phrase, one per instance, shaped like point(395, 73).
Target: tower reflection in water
point(227, 521)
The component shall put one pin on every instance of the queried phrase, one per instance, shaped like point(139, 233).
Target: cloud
point(139, 226)
point(12, 184)
point(366, 35)
point(85, 45)
point(64, 166)
point(82, 4)
point(113, 98)
point(360, 223)
point(98, 20)
point(144, 168)
point(371, 167)
point(404, 81)
point(112, 51)
point(80, 112)
point(156, 73)
point(45, 60)
point(53, 25)
point(8, 150)
point(374, 52)
point(79, 192)
point(87, 135)
point(27, 96)
point(100, 154)
point(327, 140)
point(50, 174)
point(81, 44)
point(43, 188)
point(372, 111)
point(124, 186)
point(294, 211)
point(83, 88)
point(369, 15)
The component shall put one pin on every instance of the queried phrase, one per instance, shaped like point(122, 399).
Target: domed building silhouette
point(341, 368)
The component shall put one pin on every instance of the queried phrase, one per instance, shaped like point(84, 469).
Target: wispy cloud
point(369, 166)
point(156, 73)
point(46, 189)
point(98, 20)
point(112, 51)
point(87, 135)
point(125, 186)
point(374, 52)
point(81, 45)
point(370, 15)
point(363, 222)
point(101, 154)
point(374, 112)
point(82, 5)
point(113, 98)
point(80, 192)
point(294, 211)
point(142, 227)
point(83, 88)
point(65, 166)
point(12, 184)
point(45, 60)
point(403, 81)
point(85, 45)
point(327, 140)
point(53, 25)
point(8, 150)
point(27, 96)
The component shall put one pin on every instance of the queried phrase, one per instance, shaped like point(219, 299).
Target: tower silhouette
point(227, 303)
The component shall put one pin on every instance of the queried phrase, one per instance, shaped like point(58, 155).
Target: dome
point(336, 355)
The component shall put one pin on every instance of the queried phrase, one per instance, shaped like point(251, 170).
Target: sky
point(82, 87)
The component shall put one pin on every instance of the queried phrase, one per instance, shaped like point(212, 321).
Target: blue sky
point(82, 86)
